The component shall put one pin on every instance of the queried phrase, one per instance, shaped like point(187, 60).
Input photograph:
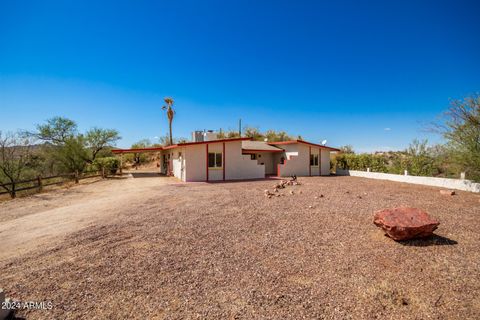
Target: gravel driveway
point(153, 248)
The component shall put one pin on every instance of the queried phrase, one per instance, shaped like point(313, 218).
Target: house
point(240, 159)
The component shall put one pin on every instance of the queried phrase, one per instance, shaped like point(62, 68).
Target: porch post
point(223, 153)
point(121, 163)
point(309, 157)
point(206, 158)
point(319, 161)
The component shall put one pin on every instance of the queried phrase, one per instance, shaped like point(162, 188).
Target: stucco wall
point(325, 162)
point(239, 166)
point(268, 159)
point(457, 184)
point(297, 161)
point(178, 163)
point(195, 162)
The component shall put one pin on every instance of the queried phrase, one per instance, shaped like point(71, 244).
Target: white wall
point(217, 173)
point(195, 162)
point(297, 160)
point(325, 162)
point(268, 159)
point(458, 184)
point(239, 166)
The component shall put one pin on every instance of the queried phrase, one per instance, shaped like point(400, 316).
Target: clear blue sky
point(366, 73)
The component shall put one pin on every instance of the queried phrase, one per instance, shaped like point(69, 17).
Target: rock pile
point(282, 185)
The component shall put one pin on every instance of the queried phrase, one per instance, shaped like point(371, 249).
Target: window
point(314, 160)
point(214, 160)
point(179, 154)
point(253, 157)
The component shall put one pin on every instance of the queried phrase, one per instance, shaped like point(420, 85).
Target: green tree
point(15, 161)
point(461, 129)
point(97, 139)
point(70, 150)
point(254, 133)
point(347, 149)
point(56, 130)
point(170, 114)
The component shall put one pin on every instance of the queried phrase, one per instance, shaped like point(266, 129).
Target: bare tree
point(15, 159)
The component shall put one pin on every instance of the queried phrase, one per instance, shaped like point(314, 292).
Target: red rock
point(405, 223)
point(447, 192)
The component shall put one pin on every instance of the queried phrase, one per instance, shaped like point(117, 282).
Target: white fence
point(458, 184)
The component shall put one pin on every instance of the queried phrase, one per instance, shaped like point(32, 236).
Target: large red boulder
point(405, 223)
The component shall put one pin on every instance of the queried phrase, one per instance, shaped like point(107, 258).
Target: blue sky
point(371, 74)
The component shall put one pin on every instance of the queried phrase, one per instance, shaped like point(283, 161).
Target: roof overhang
point(258, 150)
point(304, 142)
point(178, 145)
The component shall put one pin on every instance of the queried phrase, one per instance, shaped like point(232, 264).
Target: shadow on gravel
point(146, 174)
point(434, 240)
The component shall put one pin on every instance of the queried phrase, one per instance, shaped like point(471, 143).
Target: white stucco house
point(241, 159)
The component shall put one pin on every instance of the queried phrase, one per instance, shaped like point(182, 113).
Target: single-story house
point(240, 159)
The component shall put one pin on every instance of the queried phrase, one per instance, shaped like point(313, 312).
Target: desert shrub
point(109, 164)
point(362, 161)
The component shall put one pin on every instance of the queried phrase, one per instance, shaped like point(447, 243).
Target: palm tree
point(170, 114)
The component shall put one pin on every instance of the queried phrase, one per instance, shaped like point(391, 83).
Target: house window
point(215, 160)
point(314, 160)
point(253, 157)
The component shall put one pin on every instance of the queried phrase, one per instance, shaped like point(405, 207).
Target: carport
point(121, 152)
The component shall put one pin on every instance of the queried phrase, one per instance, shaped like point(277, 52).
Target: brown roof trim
point(304, 142)
point(260, 150)
point(204, 142)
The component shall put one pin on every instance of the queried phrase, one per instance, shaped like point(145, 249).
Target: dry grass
point(226, 251)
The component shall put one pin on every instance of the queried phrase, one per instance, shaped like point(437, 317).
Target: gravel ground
point(224, 250)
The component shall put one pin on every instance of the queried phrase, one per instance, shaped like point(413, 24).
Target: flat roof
point(135, 150)
point(304, 142)
point(247, 144)
point(259, 146)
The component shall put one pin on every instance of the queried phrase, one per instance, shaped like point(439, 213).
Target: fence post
point(405, 172)
point(40, 183)
point(368, 169)
point(462, 175)
point(121, 164)
point(76, 176)
point(103, 172)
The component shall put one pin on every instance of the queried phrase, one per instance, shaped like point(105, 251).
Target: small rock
point(291, 192)
point(300, 191)
point(447, 192)
point(359, 197)
point(310, 207)
point(321, 196)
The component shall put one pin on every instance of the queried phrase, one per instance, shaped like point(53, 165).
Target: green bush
point(352, 161)
point(110, 164)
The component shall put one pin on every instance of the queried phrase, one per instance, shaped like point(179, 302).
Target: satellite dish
point(324, 142)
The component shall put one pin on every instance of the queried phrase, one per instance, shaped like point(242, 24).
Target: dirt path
point(44, 219)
